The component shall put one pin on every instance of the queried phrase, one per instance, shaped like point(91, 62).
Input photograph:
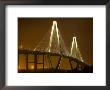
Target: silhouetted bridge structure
point(46, 62)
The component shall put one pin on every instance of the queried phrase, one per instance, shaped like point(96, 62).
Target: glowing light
point(21, 47)
point(53, 28)
point(19, 67)
point(57, 32)
point(52, 42)
point(32, 67)
point(34, 49)
point(73, 42)
point(75, 50)
point(51, 38)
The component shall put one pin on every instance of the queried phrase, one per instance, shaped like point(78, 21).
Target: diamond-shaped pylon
point(52, 42)
point(75, 53)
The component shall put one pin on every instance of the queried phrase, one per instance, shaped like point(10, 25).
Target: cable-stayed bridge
point(52, 55)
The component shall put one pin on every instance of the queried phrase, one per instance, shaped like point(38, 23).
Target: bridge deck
point(54, 66)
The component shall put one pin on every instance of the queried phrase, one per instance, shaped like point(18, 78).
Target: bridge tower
point(75, 52)
point(52, 42)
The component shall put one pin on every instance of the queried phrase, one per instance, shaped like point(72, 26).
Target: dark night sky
point(32, 30)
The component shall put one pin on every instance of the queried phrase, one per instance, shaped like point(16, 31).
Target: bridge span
point(46, 62)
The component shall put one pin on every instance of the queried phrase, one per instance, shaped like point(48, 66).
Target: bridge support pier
point(27, 62)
